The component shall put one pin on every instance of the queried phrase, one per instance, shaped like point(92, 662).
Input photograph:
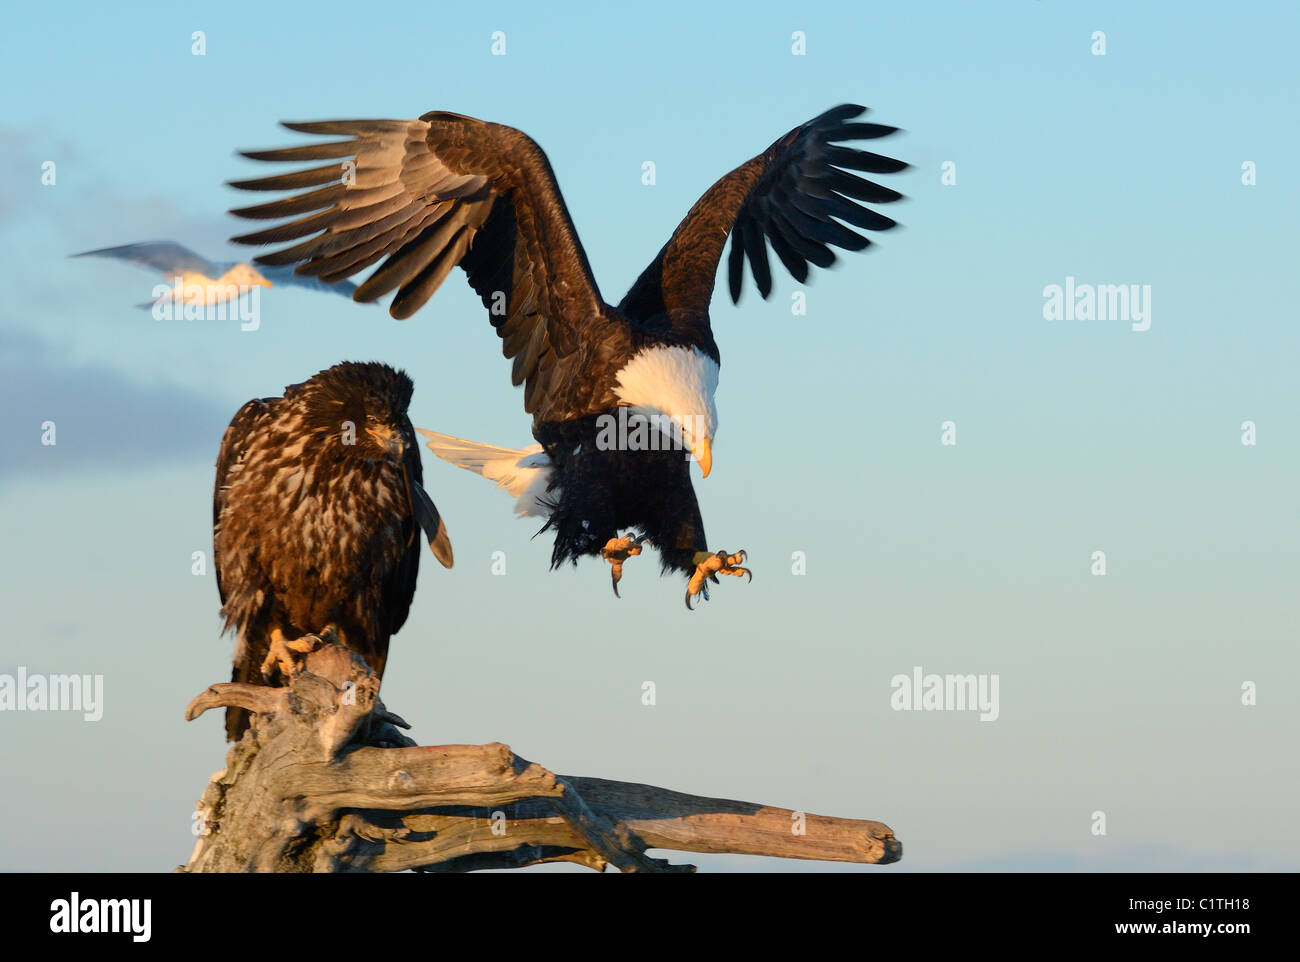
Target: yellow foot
point(616, 551)
point(708, 567)
point(289, 656)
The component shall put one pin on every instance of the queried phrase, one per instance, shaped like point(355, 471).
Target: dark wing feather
point(796, 196)
point(233, 445)
point(423, 196)
point(401, 571)
point(426, 513)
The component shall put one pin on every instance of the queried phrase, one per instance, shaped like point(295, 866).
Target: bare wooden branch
point(256, 698)
point(324, 781)
point(674, 820)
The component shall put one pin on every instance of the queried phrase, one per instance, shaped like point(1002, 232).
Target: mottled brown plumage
point(315, 514)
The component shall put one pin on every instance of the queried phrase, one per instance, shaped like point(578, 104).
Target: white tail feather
point(523, 473)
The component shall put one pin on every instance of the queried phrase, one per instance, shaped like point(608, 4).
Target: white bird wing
point(166, 257)
point(286, 275)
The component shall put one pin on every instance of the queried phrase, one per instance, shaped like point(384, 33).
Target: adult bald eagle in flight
point(426, 195)
point(317, 504)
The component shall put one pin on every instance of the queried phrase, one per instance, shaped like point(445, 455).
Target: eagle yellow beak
point(264, 283)
point(703, 451)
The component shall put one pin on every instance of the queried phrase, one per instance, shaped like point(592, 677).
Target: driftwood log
point(324, 781)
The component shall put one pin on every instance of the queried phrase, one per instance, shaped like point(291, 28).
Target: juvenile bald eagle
point(427, 195)
point(315, 515)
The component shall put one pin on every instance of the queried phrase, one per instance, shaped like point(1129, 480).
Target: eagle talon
point(288, 656)
point(616, 551)
point(708, 567)
point(703, 592)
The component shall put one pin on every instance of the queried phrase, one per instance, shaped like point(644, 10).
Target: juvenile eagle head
point(361, 407)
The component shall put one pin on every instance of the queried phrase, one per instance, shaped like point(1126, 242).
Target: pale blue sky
point(1118, 693)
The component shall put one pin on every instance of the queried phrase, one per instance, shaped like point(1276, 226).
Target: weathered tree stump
point(324, 781)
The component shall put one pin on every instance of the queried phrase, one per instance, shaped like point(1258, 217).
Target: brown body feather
point(314, 524)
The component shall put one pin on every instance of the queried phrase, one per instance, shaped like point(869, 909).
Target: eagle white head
point(676, 385)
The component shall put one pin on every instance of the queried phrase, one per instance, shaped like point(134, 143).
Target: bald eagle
point(317, 505)
point(621, 397)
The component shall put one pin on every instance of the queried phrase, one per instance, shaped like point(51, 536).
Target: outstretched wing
point(166, 257)
point(286, 275)
point(794, 196)
point(424, 196)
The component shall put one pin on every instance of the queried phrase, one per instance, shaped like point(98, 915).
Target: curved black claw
point(617, 551)
point(288, 656)
point(704, 593)
point(736, 569)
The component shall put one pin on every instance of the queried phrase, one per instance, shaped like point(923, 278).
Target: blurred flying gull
point(220, 281)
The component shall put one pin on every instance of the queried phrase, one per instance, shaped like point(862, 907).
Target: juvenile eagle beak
point(390, 441)
point(703, 451)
